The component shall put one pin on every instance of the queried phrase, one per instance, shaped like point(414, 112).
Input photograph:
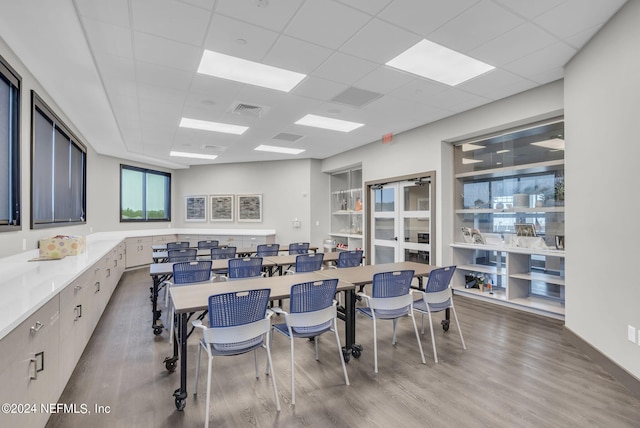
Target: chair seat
point(421, 305)
point(311, 331)
point(385, 313)
point(234, 348)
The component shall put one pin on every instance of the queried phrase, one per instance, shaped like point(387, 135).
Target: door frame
point(432, 209)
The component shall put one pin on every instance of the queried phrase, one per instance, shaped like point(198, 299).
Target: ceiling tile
point(527, 8)
point(563, 21)
point(109, 39)
point(553, 56)
point(156, 75)
point(203, 4)
point(423, 16)
point(170, 20)
point(114, 12)
point(380, 42)
point(372, 7)
point(232, 37)
point(490, 85)
point(319, 89)
point(326, 23)
point(418, 90)
point(475, 26)
point(168, 53)
point(343, 68)
point(275, 16)
point(512, 45)
point(384, 79)
point(296, 55)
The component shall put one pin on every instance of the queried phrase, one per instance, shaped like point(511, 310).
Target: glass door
point(401, 221)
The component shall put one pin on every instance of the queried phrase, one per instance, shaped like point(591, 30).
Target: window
point(145, 194)
point(9, 148)
point(58, 193)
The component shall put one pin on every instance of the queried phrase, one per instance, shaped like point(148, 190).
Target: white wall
point(602, 102)
point(286, 188)
point(422, 149)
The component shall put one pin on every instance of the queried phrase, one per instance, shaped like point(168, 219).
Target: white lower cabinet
point(30, 374)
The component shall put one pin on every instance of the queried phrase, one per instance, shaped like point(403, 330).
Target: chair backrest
point(247, 267)
point(309, 262)
point(391, 284)
point(299, 248)
point(238, 308)
point(312, 296)
point(349, 258)
point(194, 271)
point(177, 245)
point(439, 279)
point(220, 253)
point(207, 244)
point(264, 250)
point(182, 255)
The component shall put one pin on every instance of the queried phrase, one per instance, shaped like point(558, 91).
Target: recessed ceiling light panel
point(276, 149)
point(192, 155)
point(212, 126)
point(435, 62)
point(328, 123)
point(244, 71)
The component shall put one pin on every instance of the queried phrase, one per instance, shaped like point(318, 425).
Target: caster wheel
point(180, 404)
point(346, 356)
point(445, 325)
point(170, 366)
point(157, 330)
point(356, 353)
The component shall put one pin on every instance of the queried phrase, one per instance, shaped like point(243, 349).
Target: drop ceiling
point(124, 71)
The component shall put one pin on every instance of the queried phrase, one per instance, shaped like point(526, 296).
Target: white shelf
point(498, 294)
point(346, 235)
point(347, 212)
point(535, 276)
point(506, 249)
point(514, 170)
point(482, 269)
point(510, 210)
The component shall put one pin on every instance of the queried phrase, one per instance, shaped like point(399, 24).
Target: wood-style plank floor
point(517, 371)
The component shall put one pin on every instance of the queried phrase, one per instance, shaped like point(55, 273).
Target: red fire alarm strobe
point(387, 138)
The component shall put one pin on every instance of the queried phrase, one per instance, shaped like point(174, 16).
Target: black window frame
point(39, 107)
point(145, 172)
point(14, 81)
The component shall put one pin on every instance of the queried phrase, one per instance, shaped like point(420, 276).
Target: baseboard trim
point(631, 382)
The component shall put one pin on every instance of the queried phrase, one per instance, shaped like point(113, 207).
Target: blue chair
point(182, 255)
point(299, 248)
point(221, 253)
point(266, 250)
point(312, 312)
point(205, 245)
point(239, 323)
point(191, 272)
point(247, 267)
point(390, 299)
point(177, 245)
point(307, 263)
point(437, 297)
point(349, 259)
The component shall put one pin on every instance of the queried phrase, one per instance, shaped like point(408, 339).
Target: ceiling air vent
point(247, 109)
point(356, 97)
point(285, 136)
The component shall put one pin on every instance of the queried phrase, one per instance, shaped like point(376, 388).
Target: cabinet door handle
point(77, 288)
point(97, 286)
point(78, 311)
point(36, 328)
point(108, 272)
point(97, 270)
point(33, 362)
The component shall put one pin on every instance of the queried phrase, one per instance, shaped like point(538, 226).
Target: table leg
point(180, 394)
point(157, 326)
point(348, 315)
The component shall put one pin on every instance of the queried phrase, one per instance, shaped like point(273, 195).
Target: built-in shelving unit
point(503, 181)
point(347, 208)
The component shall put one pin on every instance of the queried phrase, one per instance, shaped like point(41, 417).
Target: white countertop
point(26, 286)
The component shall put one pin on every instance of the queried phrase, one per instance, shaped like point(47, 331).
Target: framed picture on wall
point(249, 207)
point(221, 207)
point(195, 208)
